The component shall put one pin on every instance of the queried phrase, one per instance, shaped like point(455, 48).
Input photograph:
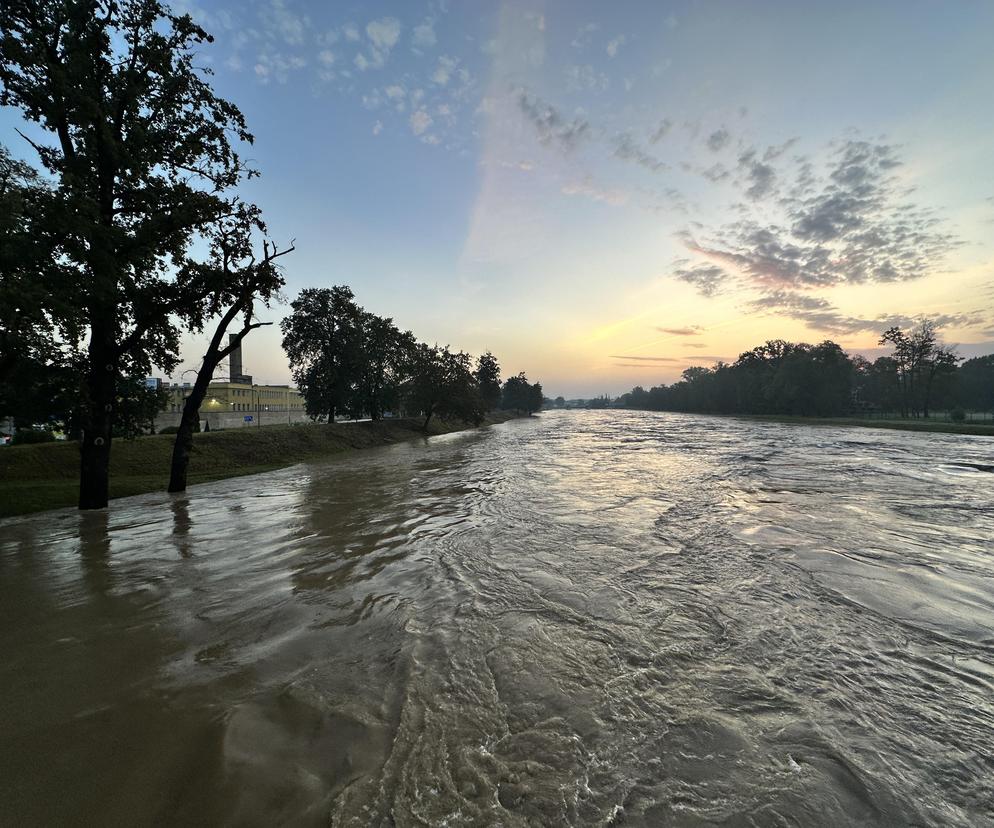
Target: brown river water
point(581, 618)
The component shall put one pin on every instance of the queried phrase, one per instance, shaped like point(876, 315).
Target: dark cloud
point(550, 124)
point(646, 359)
point(774, 151)
point(715, 173)
point(852, 225)
point(707, 278)
point(857, 190)
point(662, 199)
point(822, 315)
point(627, 149)
point(760, 177)
point(768, 256)
point(661, 131)
point(719, 139)
point(695, 345)
point(692, 330)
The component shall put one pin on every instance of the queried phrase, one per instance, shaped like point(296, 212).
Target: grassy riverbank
point(937, 426)
point(38, 477)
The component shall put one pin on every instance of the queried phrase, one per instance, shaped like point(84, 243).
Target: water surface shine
point(581, 618)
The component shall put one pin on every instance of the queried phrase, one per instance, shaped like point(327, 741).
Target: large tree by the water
point(143, 157)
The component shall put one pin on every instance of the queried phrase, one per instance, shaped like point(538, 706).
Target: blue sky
point(606, 193)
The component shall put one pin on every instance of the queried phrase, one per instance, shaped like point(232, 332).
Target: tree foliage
point(780, 377)
point(488, 378)
point(520, 395)
point(321, 337)
point(974, 386)
point(921, 363)
point(441, 383)
point(346, 360)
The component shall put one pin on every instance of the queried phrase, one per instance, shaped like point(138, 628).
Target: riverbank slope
point(34, 478)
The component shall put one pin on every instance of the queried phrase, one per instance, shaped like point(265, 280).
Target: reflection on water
point(582, 618)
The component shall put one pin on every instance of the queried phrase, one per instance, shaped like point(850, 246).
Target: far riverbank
point(977, 429)
point(34, 478)
point(936, 426)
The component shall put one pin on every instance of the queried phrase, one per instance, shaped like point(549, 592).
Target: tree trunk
point(98, 420)
point(187, 425)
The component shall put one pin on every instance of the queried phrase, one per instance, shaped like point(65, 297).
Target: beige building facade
point(236, 401)
point(237, 405)
point(239, 397)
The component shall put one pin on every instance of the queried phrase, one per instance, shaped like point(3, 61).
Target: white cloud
point(373, 100)
point(384, 33)
point(614, 44)
point(523, 166)
point(289, 26)
point(377, 128)
point(394, 92)
point(326, 57)
point(420, 121)
point(582, 39)
point(277, 66)
point(585, 78)
point(351, 32)
point(444, 70)
point(424, 35)
point(615, 198)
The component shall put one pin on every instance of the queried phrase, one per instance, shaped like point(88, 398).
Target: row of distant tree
point(348, 361)
point(920, 376)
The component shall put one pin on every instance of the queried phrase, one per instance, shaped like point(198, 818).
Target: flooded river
point(585, 618)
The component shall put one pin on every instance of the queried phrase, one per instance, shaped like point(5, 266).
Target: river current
point(580, 618)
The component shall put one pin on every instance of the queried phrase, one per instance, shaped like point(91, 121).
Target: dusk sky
point(606, 193)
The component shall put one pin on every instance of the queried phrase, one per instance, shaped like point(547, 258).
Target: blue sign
point(248, 418)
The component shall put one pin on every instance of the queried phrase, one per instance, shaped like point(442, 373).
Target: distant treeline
point(779, 377)
point(347, 361)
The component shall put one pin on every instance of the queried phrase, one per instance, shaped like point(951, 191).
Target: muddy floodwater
point(582, 618)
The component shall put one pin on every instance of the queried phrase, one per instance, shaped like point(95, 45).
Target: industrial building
point(237, 401)
point(237, 396)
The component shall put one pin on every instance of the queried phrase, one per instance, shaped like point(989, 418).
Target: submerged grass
point(34, 478)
